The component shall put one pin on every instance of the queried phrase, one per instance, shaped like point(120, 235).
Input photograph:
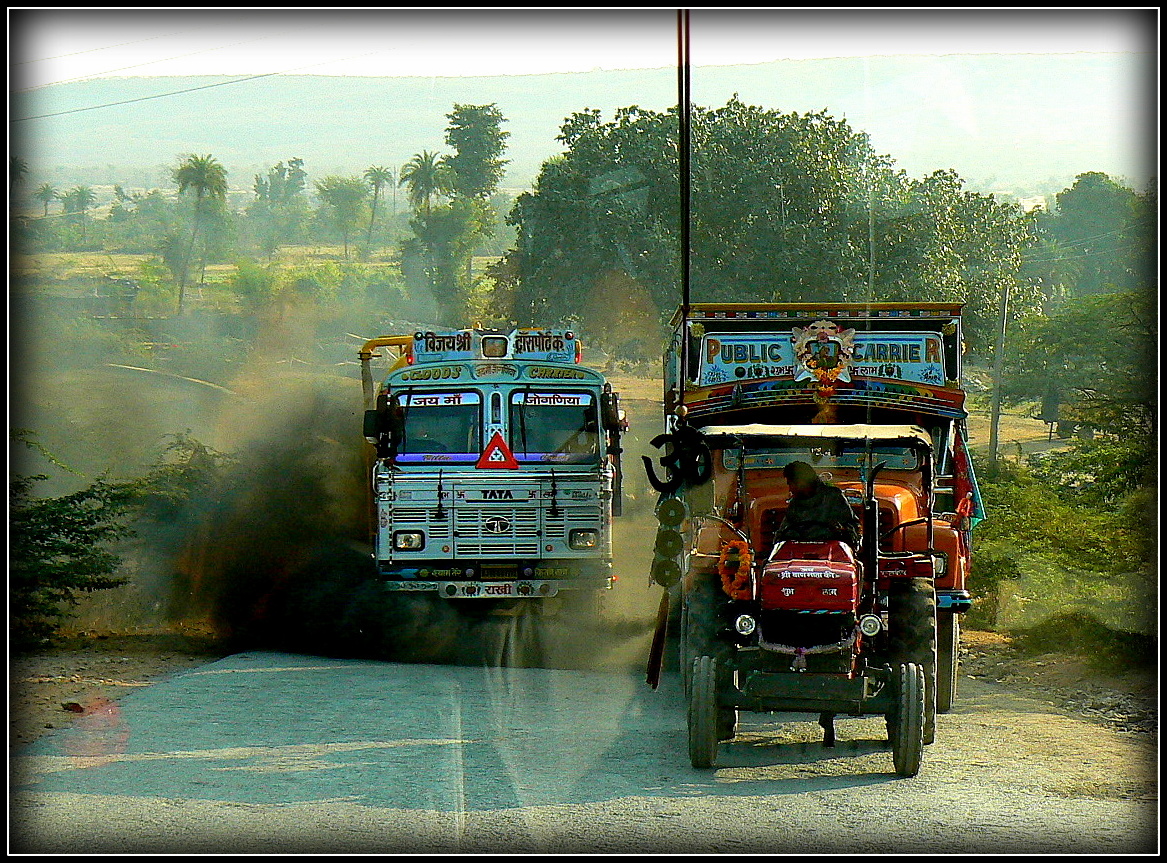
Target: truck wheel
point(703, 713)
point(905, 724)
point(947, 659)
point(911, 615)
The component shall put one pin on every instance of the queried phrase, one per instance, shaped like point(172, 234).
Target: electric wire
point(140, 65)
point(185, 90)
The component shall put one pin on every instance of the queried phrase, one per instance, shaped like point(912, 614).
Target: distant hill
point(1009, 122)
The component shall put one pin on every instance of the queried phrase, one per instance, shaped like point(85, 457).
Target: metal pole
point(998, 372)
point(683, 118)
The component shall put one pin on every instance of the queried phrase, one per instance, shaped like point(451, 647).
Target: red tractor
point(815, 627)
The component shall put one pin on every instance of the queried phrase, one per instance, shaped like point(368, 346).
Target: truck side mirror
point(610, 410)
point(372, 425)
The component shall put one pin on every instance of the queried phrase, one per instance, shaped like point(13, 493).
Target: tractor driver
point(817, 511)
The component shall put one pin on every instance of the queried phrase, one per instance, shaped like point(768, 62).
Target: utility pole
point(998, 373)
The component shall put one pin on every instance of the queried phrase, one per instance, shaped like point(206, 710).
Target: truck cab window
point(554, 426)
point(441, 423)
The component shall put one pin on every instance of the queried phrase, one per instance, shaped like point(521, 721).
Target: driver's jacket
point(821, 516)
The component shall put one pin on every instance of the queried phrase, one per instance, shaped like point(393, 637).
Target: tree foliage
point(1095, 356)
point(378, 177)
point(476, 135)
point(279, 213)
point(1101, 223)
point(344, 201)
point(58, 548)
point(206, 177)
point(425, 176)
point(784, 207)
point(61, 548)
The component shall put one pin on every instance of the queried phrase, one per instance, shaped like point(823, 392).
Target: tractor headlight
point(583, 538)
point(870, 624)
point(408, 540)
point(745, 624)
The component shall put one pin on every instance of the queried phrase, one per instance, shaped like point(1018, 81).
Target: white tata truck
point(494, 465)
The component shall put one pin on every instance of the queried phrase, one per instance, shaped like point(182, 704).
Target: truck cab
point(858, 391)
point(494, 467)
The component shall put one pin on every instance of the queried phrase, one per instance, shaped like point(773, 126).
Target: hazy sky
point(56, 45)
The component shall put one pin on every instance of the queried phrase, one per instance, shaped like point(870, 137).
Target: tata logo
point(497, 494)
point(496, 524)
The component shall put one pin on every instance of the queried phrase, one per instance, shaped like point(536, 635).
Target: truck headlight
point(939, 564)
point(583, 538)
point(408, 540)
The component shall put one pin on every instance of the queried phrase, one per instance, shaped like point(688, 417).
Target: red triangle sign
point(497, 455)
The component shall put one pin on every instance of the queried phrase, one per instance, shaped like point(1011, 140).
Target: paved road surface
point(268, 752)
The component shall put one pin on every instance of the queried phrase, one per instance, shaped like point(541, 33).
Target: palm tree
point(77, 201)
point(208, 179)
point(17, 171)
point(46, 193)
point(378, 177)
point(426, 174)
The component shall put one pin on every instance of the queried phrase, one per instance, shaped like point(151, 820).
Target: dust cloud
point(275, 553)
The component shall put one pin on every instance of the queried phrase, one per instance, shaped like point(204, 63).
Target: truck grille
point(405, 518)
point(557, 527)
point(496, 530)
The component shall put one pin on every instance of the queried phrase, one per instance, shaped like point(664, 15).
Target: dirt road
point(267, 752)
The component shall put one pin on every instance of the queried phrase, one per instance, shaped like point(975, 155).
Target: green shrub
point(59, 547)
point(63, 547)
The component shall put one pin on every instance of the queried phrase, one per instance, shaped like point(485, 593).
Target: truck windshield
point(830, 454)
point(442, 424)
point(553, 426)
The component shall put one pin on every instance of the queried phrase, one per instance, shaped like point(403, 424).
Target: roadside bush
point(58, 548)
point(61, 548)
point(1043, 551)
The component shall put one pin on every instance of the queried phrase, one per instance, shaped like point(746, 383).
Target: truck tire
point(947, 659)
point(905, 724)
point(911, 613)
point(702, 717)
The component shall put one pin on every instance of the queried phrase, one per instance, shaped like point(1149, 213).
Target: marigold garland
point(734, 567)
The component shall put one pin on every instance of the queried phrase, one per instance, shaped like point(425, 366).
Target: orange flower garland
point(734, 567)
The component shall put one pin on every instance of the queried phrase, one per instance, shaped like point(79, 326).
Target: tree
point(63, 547)
point(345, 199)
point(17, 171)
point(783, 207)
point(77, 202)
point(474, 133)
point(46, 193)
point(378, 177)
point(207, 178)
point(1099, 221)
point(425, 175)
point(58, 547)
point(279, 212)
point(1096, 357)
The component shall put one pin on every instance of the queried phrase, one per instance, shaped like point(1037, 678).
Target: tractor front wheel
point(905, 724)
point(703, 730)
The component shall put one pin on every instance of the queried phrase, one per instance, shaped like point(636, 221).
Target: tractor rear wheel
point(911, 615)
point(703, 731)
point(699, 609)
